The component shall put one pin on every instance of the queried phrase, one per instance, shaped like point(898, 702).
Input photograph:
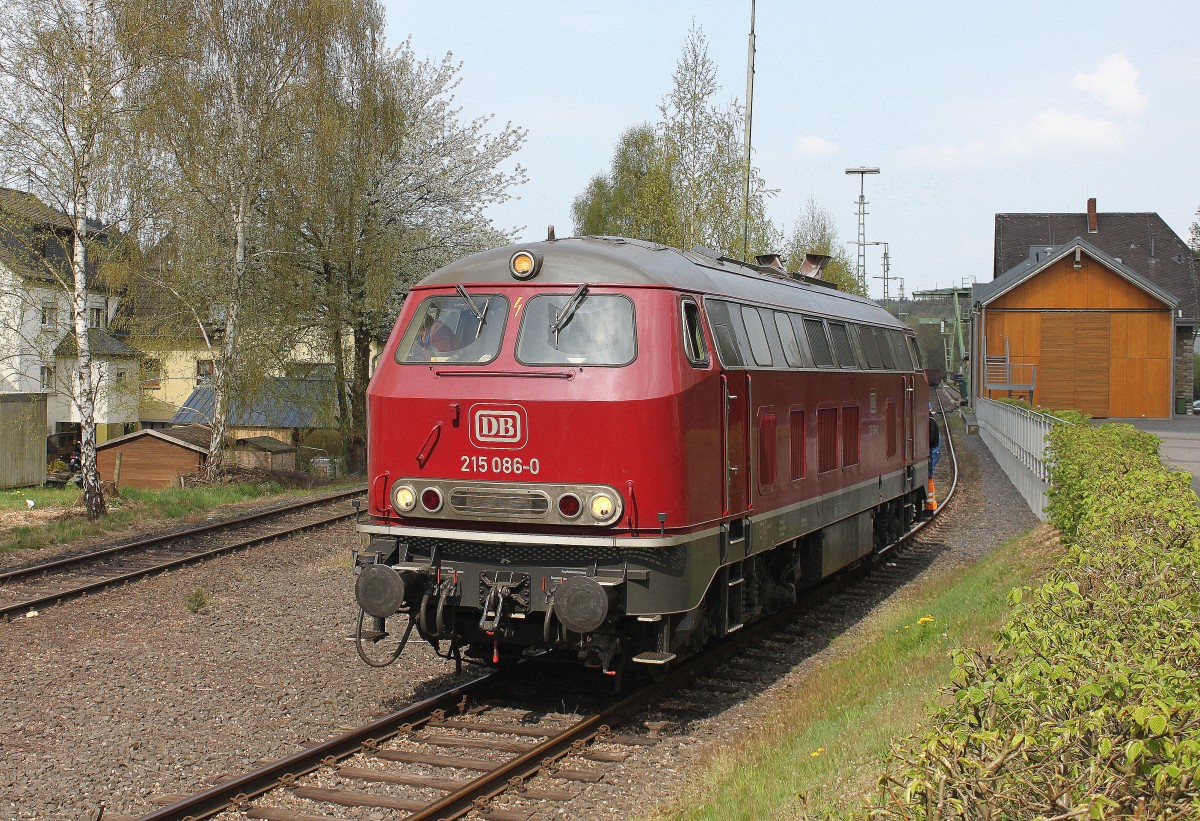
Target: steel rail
point(243, 788)
point(919, 526)
point(511, 774)
point(84, 558)
point(7, 611)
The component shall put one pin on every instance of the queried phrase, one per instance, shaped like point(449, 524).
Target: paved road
point(1180, 441)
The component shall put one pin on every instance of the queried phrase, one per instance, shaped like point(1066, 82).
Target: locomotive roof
point(620, 261)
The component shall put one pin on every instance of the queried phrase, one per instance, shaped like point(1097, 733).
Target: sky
point(968, 109)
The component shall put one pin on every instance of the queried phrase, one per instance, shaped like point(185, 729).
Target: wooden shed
point(152, 459)
point(22, 439)
point(1072, 327)
point(264, 453)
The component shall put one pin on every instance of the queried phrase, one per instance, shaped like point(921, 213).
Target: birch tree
point(224, 121)
point(706, 141)
point(681, 182)
point(815, 232)
point(64, 79)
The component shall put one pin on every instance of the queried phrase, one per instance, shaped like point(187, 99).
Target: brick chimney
point(1093, 222)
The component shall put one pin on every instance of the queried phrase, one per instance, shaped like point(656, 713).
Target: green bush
point(1091, 705)
point(197, 600)
point(1075, 417)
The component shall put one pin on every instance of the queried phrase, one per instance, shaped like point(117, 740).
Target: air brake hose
point(358, 642)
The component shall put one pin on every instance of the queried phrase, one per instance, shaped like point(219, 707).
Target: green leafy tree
point(636, 198)
point(814, 232)
point(391, 183)
point(225, 118)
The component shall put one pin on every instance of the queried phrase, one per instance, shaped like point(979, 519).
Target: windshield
point(462, 328)
point(577, 329)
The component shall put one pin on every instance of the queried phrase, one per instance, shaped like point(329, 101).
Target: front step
point(654, 657)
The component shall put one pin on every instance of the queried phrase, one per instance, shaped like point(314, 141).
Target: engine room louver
point(522, 504)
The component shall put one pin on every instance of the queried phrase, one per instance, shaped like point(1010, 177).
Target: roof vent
point(770, 261)
point(814, 265)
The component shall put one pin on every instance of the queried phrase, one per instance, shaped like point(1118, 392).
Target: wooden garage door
point(1073, 371)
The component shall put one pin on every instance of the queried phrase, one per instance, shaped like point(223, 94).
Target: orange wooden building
point(1073, 327)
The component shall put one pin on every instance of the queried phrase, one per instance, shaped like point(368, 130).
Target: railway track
point(38, 586)
point(470, 749)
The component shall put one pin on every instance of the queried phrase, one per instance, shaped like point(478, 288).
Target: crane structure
point(953, 330)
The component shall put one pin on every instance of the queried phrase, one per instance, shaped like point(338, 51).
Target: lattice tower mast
point(860, 269)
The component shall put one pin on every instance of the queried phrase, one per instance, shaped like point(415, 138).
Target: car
point(1196, 406)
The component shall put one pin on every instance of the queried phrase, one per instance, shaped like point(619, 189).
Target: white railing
point(1017, 438)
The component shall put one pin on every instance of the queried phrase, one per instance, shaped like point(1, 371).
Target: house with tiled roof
point(37, 342)
point(299, 411)
point(1089, 311)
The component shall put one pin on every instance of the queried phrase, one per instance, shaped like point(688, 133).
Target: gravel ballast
point(127, 695)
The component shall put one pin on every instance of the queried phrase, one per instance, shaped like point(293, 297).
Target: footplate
point(654, 658)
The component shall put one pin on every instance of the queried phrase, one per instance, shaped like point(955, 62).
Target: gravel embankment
point(127, 695)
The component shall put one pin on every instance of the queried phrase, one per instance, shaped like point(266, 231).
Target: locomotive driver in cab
point(434, 336)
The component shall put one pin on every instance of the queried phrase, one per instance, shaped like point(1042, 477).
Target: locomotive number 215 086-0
point(497, 464)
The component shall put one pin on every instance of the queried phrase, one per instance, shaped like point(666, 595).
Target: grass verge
point(58, 515)
point(821, 753)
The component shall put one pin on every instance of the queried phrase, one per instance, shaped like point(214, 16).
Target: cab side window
point(694, 346)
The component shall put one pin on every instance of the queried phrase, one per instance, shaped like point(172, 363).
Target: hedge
point(1090, 705)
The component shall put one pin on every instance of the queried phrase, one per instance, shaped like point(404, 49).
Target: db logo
point(502, 427)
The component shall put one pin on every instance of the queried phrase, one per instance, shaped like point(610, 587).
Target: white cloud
point(814, 146)
point(1060, 129)
point(1049, 131)
point(1114, 83)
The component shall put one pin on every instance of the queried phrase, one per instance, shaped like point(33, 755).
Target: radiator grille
point(506, 502)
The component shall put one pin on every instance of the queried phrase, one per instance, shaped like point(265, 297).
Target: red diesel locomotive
point(621, 449)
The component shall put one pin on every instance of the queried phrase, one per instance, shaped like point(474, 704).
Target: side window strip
point(756, 334)
point(818, 342)
point(787, 337)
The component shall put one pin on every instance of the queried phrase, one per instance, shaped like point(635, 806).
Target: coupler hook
point(495, 602)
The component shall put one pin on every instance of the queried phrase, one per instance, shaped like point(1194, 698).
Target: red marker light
point(569, 505)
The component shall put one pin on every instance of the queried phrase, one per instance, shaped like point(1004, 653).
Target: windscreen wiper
point(479, 314)
point(568, 311)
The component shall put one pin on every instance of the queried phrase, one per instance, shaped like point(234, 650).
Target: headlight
point(603, 507)
point(525, 264)
point(404, 499)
